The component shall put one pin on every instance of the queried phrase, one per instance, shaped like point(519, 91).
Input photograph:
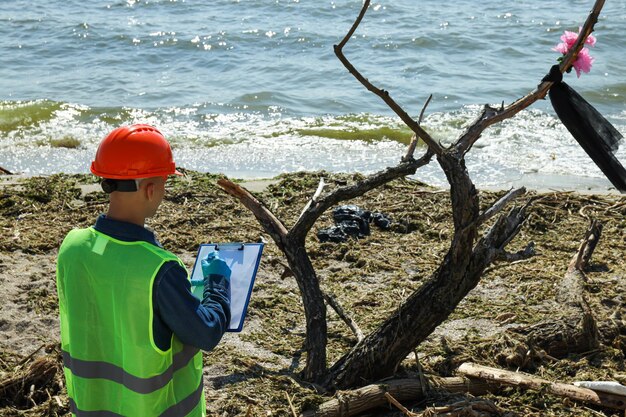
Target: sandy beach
point(255, 372)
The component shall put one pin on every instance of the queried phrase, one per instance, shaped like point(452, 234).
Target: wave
point(22, 114)
point(43, 136)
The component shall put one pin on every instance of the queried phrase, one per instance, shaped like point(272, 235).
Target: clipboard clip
point(229, 246)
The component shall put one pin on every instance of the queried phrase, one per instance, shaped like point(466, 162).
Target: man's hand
point(214, 269)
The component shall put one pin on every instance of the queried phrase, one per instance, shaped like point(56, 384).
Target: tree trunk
point(292, 244)
point(378, 355)
point(314, 309)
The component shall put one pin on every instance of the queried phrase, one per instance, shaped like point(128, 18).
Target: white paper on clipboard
point(243, 260)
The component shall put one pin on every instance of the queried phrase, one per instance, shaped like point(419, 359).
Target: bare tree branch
point(399, 406)
point(491, 115)
point(316, 195)
point(332, 302)
point(384, 95)
point(292, 244)
point(5, 171)
point(411, 149)
point(315, 210)
point(587, 246)
point(526, 253)
point(269, 221)
point(419, 121)
point(379, 353)
point(491, 246)
point(499, 205)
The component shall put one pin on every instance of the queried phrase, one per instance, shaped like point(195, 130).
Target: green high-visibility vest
point(112, 365)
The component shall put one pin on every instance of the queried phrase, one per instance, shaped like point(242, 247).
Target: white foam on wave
point(531, 149)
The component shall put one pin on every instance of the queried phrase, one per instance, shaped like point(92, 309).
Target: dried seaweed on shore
point(253, 372)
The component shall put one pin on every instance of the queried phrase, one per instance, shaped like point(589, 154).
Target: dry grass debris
point(253, 373)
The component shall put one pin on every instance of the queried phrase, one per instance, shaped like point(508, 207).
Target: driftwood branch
point(352, 403)
point(464, 263)
point(521, 380)
point(474, 408)
point(587, 246)
point(378, 355)
point(411, 149)
point(414, 140)
point(499, 205)
point(505, 228)
point(269, 221)
point(399, 406)
point(292, 243)
point(573, 329)
point(526, 253)
point(316, 209)
point(304, 273)
point(5, 171)
point(419, 121)
point(492, 115)
point(316, 195)
point(332, 302)
point(384, 95)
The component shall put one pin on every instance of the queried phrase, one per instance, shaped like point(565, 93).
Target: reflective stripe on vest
point(112, 366)
point(183, 408)
point(105, 370)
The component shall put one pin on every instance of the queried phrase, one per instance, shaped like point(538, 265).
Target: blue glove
point(214, 269)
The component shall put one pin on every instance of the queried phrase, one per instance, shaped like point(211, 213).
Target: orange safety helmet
point(131, 152)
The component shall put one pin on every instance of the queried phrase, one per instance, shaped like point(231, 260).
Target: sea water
point(252, 88)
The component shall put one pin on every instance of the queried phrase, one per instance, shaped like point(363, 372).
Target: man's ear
point(149, 190)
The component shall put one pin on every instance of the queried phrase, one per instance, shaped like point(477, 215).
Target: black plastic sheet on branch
point(596, 135)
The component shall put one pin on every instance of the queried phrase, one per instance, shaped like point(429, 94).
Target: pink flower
point(562, 48)
point(583, 62)
point(569, 39)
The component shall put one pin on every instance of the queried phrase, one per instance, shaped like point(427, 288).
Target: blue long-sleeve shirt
point(176, 310)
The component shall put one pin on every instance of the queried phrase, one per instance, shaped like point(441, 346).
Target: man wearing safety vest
point(131, 330)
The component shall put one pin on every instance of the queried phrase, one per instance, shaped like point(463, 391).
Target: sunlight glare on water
point(253, 88)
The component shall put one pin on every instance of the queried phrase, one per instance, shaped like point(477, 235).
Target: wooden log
point(522, 380)
point(351, 403)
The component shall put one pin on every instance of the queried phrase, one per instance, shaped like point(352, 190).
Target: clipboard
point(243, 259)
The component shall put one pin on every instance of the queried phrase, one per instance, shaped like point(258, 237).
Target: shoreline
point(535, 182)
